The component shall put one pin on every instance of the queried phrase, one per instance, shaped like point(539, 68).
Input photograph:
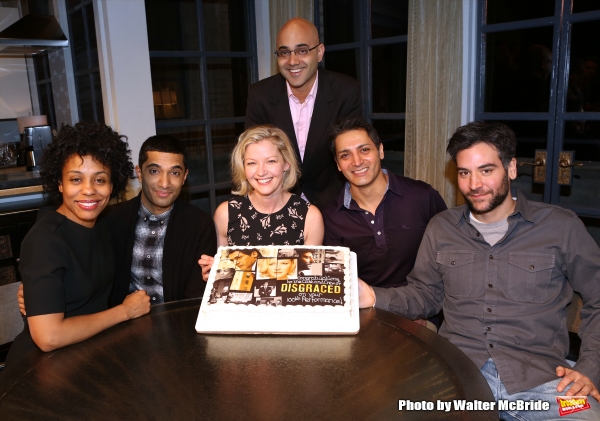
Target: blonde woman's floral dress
point(248, 227)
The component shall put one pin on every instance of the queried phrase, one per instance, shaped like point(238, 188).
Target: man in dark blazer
point(164, 262)
point(281, 100)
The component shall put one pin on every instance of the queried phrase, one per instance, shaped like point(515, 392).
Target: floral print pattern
point(248, 227)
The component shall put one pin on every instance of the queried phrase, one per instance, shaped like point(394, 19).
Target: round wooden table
point(158, 368)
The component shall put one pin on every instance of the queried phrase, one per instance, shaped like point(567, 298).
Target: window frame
point(557, 116)
point(86, 6)
point(364, 45)
point(207, 122)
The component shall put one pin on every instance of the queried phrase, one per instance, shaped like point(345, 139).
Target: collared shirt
point(386, 243)
point(147, 256)
point(508, 301)
point(302, 114)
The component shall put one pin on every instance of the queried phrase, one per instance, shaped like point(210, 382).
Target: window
point(82, 38)
point(202, 59)
point(44, 85)
point(539, 74)
point(367, 40)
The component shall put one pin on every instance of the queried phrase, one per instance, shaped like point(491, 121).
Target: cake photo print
point(286, 272)
point(284, 280)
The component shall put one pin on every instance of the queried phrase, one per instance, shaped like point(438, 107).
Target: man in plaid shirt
point(156, 237)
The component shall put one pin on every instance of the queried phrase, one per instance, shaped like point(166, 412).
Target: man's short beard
point(497, 199)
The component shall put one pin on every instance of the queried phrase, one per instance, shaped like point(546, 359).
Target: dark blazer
point(338, 96)
point(190, 233)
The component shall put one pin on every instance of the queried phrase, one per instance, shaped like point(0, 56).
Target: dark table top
point(158, 367)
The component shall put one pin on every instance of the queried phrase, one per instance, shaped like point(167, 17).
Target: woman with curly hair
point(264, 169)
point(66, 262)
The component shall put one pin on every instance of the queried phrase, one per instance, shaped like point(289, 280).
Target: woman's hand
point(52, 331)
point(206, 263)
point(21, 300)
point(137, 304)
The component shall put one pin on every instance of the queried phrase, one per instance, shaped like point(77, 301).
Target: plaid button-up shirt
point(146, 261)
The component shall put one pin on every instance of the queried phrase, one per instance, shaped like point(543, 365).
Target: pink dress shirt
point(302, 114)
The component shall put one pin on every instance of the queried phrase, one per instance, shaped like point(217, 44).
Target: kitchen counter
point(16, 181)
point(20, 189)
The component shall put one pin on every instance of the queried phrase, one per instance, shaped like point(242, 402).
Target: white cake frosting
point(281, 289)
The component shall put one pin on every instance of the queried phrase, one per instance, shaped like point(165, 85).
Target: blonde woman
point(280, 269)
point(264, 168)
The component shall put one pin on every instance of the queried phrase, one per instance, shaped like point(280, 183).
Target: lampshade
point(31, 121)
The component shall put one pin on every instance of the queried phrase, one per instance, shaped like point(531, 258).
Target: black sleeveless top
point(248, 227)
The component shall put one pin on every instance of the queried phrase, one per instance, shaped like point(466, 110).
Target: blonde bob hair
point(255, 134)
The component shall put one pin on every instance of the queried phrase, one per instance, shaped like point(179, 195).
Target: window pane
point(176, 88)
point(584, 190)
point(200, 200)
point(389, 18)
point(73, 3)
point(91, 29)
point(225, 25)
point(43, 97)
point(172, 25)
point(344, 61)
point(499, 11)
point(518, 70)
point(84, 98)
point(77, 40)
point(40, 63)
point(223, 195)
point(228, 80)
point(224, 138)
point(98, 97)
point(340, 21)
point(47, 102)
point(531, 135)
point(584, 77)
point(391, 133)
point(193, 138)
point(585, 5)
point(389, 78)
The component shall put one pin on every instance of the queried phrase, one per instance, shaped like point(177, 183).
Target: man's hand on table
point(581, 385)
point(21, 300)
point(366, 298)
point(366, 295)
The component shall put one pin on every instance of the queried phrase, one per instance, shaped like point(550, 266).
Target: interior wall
point(15, 98)
point(125, 72)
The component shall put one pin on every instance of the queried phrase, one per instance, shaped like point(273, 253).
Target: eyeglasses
point(302, 51)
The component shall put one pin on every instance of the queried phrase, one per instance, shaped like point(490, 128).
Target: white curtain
point(433, 99)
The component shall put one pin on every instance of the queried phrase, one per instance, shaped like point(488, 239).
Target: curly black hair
point(86, 138)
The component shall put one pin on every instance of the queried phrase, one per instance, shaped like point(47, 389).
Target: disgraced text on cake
point(281, 290)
